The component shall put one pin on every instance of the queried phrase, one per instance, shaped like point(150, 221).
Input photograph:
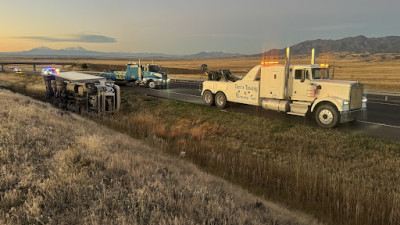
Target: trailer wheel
point(152, 84)
point(220, 100)
point(326, 116)
point(208, 98)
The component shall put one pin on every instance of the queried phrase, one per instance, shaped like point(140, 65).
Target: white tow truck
point(293, 89)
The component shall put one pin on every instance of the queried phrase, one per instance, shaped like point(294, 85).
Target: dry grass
point(32, 85)
point(58, 168)
point(342, 178)
point(341, 181)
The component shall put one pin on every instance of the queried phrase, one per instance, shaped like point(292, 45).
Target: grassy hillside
point(340, 177)
point(58, 168)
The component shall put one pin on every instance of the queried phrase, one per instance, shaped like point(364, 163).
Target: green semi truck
point(148, 75)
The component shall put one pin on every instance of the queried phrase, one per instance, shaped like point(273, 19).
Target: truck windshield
point(153, 68)
point(320, 73)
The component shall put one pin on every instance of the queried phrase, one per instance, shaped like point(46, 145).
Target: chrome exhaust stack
point(287, 71)
point(312, 56)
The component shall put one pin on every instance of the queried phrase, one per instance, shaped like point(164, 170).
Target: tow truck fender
point(334, 100)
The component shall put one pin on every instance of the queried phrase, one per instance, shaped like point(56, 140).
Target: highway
point(383, 111)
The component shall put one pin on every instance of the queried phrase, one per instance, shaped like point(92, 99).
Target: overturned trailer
point(82, 93)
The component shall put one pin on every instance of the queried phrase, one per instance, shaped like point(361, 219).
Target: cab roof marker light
point(269, 63)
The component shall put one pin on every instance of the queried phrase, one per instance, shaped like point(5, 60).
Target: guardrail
point(34, 64)
point(186, 81)
point(384, 93)
point(384, 96)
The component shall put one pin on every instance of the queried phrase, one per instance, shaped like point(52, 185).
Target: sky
point(188, 27)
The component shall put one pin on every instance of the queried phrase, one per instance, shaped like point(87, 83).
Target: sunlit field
point(377, 71)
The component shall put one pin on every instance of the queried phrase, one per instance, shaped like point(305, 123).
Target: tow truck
point(293, 89)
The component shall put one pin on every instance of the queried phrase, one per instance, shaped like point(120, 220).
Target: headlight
point(345, 102)
point(364, 100)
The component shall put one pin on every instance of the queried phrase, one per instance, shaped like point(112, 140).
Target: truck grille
point(356, 96)
point(164, 76)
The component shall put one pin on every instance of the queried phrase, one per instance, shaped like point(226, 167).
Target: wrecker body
point(293, 89)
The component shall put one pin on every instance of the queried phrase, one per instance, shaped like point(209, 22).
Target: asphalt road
point(383, 114)
point(383, 111)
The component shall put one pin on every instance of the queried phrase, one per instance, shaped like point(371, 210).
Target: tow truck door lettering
point(244, 92)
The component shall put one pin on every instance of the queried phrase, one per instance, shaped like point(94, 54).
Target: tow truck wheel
point(327, 116)
point(220, 100)
point(152, 84)
point(208, 98)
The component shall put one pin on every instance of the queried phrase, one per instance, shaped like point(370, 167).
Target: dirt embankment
point(59, 168)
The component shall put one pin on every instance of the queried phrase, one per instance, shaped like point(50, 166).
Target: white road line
point(384, 103)
point(380, 124)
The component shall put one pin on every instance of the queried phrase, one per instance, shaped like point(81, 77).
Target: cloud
point(82, 38)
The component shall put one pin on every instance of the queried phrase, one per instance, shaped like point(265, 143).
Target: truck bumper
point(162, 82)
point(359, 114)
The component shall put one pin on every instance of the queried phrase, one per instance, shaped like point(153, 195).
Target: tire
point(208, 98)
point(327, 116)
point(152, 84)
point(220, 100)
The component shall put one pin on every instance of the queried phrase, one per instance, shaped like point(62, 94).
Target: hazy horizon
point(183, 27)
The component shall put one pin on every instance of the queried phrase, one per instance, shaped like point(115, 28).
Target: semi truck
point(148, 75)
point(300, 90)
point(82, 93)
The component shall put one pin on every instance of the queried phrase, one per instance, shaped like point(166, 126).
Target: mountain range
point(81, 52)
point(358, 44)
